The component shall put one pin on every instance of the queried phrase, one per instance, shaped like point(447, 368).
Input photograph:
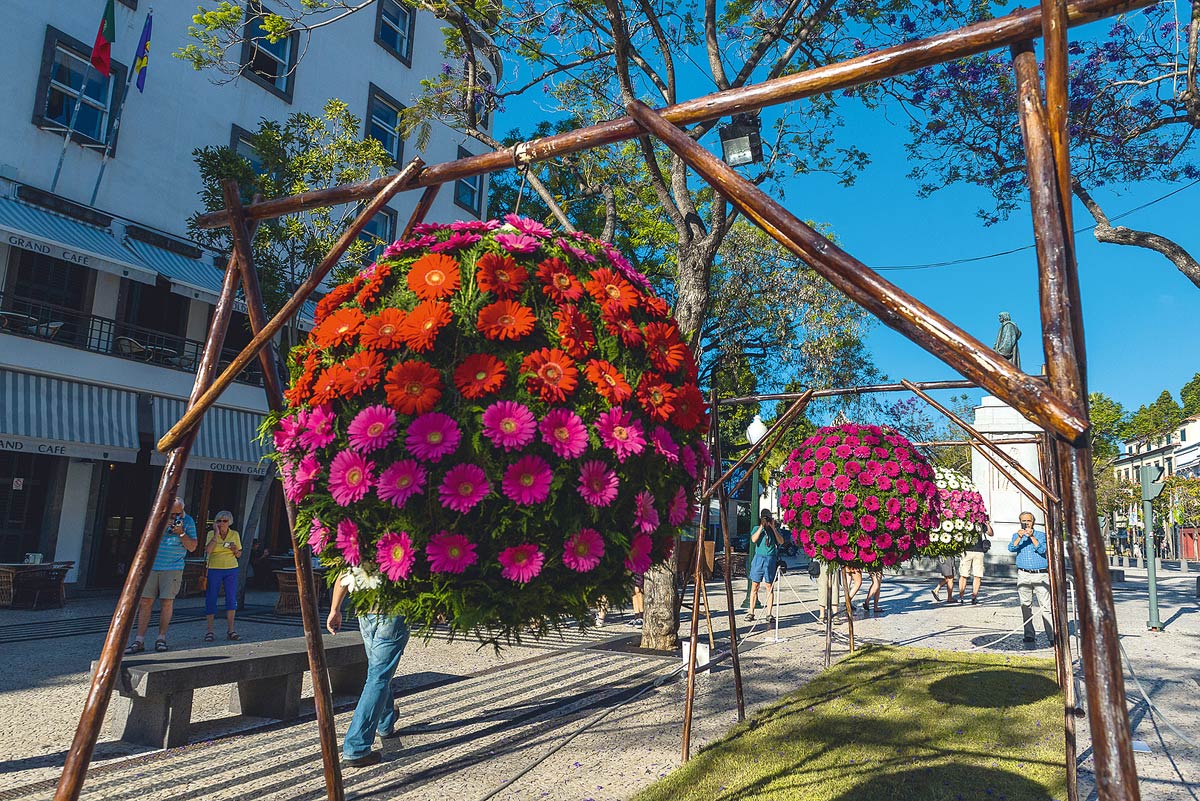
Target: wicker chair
point(288, 602)
point(6, 585)
point(32, 587)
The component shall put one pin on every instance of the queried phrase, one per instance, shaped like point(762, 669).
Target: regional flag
point(102, 49)
point(141, 59)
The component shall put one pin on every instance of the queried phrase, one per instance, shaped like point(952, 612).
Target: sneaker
point(638, 622)
point(364, 761)
point(749, 617)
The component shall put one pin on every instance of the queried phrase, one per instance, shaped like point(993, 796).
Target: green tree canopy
point(1156, 420)
point(1190, 395)
point(1109, 422)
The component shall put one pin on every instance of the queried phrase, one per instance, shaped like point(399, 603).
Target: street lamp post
point(754, 432)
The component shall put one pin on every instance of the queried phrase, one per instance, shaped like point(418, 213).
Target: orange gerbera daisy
point(479, 375)
point(576, 331)
point(505, 319)
point(423, 324)
point(608, 288)
point(551, 374)
point(560, 284)
point(376, 275)
point(689, 408)
point(413, 387)
point(664, 347)
point(329, 384)
point(361, 372)
point(338, 328)
point(336, 297)
point(500, 274)
point(655, 306)
point(434, 276)
point(620, 324)
point(382, 330)
point(656, 396)
point(609, 381)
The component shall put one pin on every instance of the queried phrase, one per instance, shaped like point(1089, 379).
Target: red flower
point(336, 297)
point(382, 330)
point(374, 284)
point(664, 347)
point(361, 372)
point(610, 289)
point(620, 324)
point(609, 382)
point(576, 331)
point(423, 324)
point(479, 375)
point(655, 306)
point(329, 384)
point(500, 274)
point(560, 284)
point(656, 396)
point(433, 276)
point(413, 387)
point(339, 328)
point(689, 408)
point(553, 375)
point(505, 319)
point(302, 388)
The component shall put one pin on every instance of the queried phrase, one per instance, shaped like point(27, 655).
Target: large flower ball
point(494, 426)
point(859, 496)
point(964, 517)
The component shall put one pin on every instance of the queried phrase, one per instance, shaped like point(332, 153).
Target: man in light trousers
point(1033, 574)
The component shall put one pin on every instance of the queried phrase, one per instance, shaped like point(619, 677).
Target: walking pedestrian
point(222, 552)
point(971, 565)
point(766, 539)
point(945, 566)
point(1033, 574)
point(876, 575)
point(384, 638)
point(166, 576)
point(853, 578)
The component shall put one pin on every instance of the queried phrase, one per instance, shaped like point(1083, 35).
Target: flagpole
point(87, 74)
point(112, 137)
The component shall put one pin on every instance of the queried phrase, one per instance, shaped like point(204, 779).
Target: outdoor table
point(12, 321)
point(154, 353)
point(8, 572)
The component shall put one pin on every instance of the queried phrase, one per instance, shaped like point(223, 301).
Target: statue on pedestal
point(1006, 340)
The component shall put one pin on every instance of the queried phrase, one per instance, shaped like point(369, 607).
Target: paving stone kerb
point(154, 706)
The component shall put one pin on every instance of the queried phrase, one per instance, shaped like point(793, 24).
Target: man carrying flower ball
point(765, 563)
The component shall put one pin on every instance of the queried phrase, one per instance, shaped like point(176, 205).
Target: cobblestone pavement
point(574, 718)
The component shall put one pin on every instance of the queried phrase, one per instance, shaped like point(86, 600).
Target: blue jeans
point(219, 579)
point(384, 637)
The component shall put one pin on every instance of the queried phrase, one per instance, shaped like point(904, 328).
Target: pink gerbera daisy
point(400, 481)
point(687, 457)
point(464, 486)
point(621, 433)
point(565, 433)
point(318, 535)
point(528, 480)
point(350, 477)
point(395, 555)
point(372, 428)
point(347, 542)
point(677, 513)
point(598, 483)
point(432, 436)
point(287, 436)
point(317, 427)
point(645, 516)
point(638, 561)
point(664, 445)
point(517, 243)
point(449, 553)
point(521, 563)
point(583, 550)
point(528, 226)
point(509, 425)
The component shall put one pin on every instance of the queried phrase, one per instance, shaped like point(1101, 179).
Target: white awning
point(227, 442)
point(53, 417)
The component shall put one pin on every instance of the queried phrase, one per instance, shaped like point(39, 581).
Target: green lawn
point(909, 724)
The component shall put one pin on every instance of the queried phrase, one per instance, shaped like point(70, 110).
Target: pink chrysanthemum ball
point(859, 496)
point(964, 517)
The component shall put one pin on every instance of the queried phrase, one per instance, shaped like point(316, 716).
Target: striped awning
point(54, 417)
point(227, 442)
point(192, 278)
point(41, 231)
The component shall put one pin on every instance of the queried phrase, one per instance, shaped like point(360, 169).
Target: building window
point(468, 192)
point(1183, 435)
point(269, 64)
point(239, 142)
point(378, 234)
point(394, 25)
point(65, 64)
point(383, 122)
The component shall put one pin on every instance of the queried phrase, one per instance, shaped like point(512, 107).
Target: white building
point(105, 306)
point(1175, 452)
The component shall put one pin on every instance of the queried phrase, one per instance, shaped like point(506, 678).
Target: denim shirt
point(1029, 556)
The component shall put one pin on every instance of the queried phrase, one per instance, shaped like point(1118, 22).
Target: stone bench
point(154, 707)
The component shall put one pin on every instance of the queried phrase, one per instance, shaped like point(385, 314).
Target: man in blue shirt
point(1033, 575)
point(166, 575)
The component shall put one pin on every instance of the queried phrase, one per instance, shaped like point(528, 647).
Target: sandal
point(233, 635)
point(135, 647)
point(209, 637)
point(160, 645)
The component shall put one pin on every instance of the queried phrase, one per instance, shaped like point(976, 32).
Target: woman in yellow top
point(223, 550)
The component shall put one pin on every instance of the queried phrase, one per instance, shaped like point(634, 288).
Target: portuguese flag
point(102, 49)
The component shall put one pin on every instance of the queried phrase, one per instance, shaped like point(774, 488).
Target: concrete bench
point(154, 707)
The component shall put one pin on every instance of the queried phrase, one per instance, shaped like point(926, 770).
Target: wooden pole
point(424, 204)
point(952, 443)
point(1054, 41)
point(760, 449)
point(896, 308)
point(840, 391)
point(723, 505)
point(871, 67)
point(305, 580)
point(983, 441)
point(849, 609)
point(293, 305)
point(108, 667)
point(1112, 748)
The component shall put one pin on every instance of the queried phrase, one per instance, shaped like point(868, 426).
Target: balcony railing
point(63, 326)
